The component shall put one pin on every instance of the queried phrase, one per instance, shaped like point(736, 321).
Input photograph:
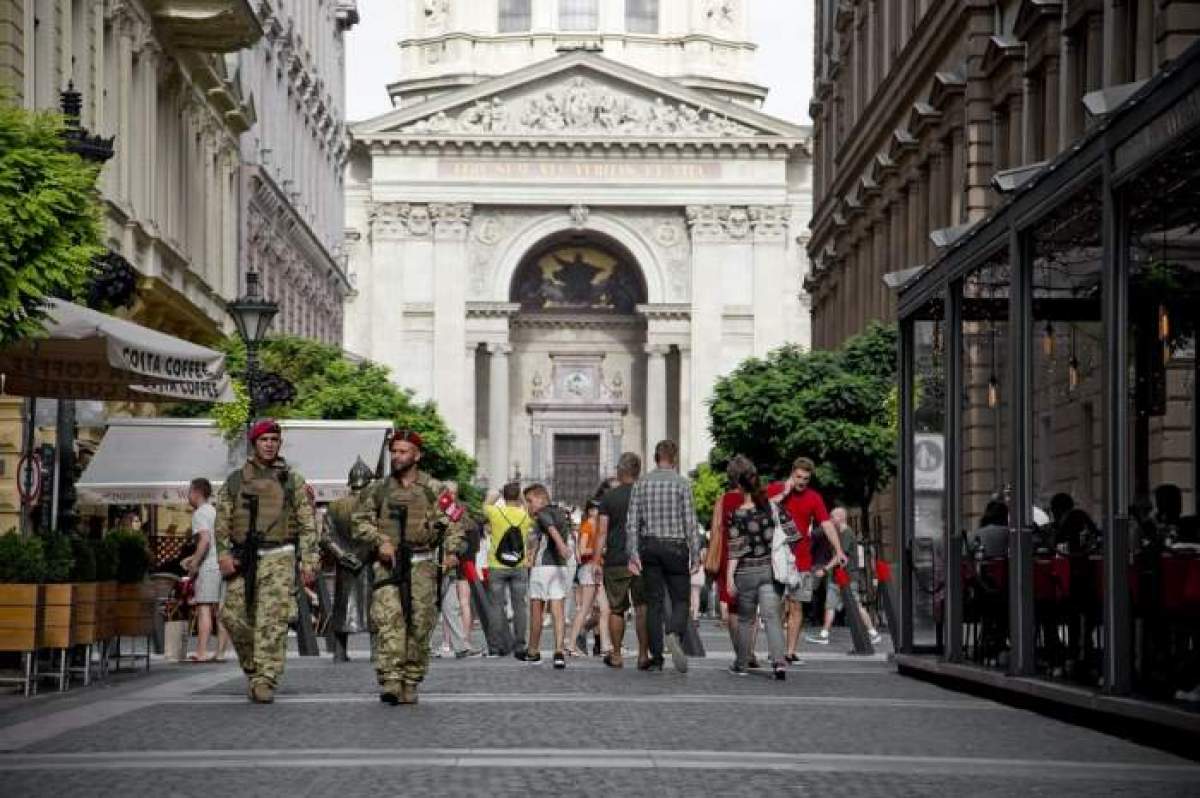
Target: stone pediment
point(579, 95)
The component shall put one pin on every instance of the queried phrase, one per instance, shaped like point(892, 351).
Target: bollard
point(858, 630)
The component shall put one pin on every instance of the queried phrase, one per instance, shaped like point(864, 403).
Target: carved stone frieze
point(581, 106)
point(451, 219)
point(770, 221)
point(400, 220)
point(718, 222)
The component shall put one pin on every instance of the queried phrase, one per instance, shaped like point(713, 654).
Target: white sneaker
point(821, 638)
point(876, 638)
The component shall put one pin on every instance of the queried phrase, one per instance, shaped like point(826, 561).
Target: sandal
point(574, 652)
point(198, 659)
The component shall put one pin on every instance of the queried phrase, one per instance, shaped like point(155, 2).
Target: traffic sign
point(29, 478)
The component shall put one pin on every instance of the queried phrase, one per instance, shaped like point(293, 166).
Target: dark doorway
point(576, 468)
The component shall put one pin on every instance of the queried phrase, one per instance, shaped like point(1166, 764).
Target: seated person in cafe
point(991, 538)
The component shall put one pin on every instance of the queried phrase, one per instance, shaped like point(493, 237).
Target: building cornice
point(424, 144)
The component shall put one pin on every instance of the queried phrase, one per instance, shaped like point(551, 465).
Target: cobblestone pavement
point(838, 725)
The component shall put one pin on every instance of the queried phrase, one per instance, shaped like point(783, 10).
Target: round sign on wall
point(29, 479)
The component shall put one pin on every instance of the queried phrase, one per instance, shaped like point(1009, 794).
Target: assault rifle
point(401, 575)
point(246, 555)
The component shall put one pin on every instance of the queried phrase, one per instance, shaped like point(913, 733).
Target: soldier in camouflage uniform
point(353, 580)
point(287, 529)
point(401, 658)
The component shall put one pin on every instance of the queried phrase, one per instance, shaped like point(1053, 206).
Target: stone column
point(450, 224)
point(769, 224)
point(498, 409)
point(470, 394)
point(685, 409)
point(656, 396)
point(710, 245)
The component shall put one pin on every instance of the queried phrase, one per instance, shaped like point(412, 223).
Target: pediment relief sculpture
point(581, 106)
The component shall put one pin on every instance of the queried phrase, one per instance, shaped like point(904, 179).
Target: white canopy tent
point(152, 461)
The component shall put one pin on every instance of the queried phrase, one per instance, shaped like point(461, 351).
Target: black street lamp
point(252, 314)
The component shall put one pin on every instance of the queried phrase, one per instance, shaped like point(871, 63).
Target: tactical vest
point(421, 500)
point(276, 500)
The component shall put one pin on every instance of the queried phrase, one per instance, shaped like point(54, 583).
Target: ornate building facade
point(919, 105)
point(566, 255)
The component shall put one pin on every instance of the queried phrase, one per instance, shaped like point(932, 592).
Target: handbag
point(783, 562)
point(715, 553)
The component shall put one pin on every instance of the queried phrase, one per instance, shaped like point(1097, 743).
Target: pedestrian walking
point(622, 588)
point(717, 560)
point(552, 553)
point(264, 523)
point(664, 547)
point(202, 566)
point(457, 620)
point(751, 579)
point(591, 588)
point(406, 519)
point(804, 504)
point(833, 594)
point(509, 527)
point(352, 579)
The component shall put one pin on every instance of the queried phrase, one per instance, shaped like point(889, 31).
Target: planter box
point(135, 609)
point(55, 631)
point(106, 610)
point(84, 614)
point(20, 616)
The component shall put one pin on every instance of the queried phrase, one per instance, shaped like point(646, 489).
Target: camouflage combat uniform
point(285, 517)
point(399, 658)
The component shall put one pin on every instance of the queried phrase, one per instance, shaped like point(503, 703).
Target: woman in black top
point(752, 527)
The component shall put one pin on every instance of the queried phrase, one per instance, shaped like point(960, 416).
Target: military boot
point(393, 693)
point(262, 694)
point(408, 693)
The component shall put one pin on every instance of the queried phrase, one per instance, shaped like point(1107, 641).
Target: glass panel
point(985, 482)
point(1164, 294)
point(515, 15)
point(1068, 455)
point(641, 16)
point(578, 14)
point(929, 477)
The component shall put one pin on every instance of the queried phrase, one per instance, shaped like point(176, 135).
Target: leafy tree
point(330, 385)
point(50, 234)
point(835, 407)
point(707, 486)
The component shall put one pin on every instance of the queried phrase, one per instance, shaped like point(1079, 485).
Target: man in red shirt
point(806, 507)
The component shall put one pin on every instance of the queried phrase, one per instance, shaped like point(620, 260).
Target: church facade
point(566, 255)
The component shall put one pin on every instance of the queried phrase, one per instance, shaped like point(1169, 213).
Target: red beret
point(410, 436)
point(262, 427)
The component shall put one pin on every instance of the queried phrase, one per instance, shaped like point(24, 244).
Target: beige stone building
point(229, 148)
point(919, 104)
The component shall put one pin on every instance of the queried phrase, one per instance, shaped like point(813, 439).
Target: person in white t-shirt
point(202, 566)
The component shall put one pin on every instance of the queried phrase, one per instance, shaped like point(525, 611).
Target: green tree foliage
point(707, 486)
point(330, 385)
point(834, 407)
point(22, 559)
point(50, 232)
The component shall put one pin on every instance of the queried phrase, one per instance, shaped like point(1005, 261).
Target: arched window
point(573, 278)
point(578, 14)
point(641, 16)
point(515, 16)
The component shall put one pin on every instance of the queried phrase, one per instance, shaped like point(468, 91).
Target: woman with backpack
point(508, 567)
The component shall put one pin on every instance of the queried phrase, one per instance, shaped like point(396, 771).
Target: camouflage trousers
point(399, 656)
point(262, 648)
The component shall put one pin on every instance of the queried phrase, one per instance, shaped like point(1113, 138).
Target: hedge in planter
point(105, 558)
point(22, 569)
point(84, 616)
point(59, 594)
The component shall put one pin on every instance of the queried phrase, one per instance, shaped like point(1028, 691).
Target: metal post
point(907, 579)
point(1022, 631)
point(1118, 651)
point(952, 429)
point(27, 446)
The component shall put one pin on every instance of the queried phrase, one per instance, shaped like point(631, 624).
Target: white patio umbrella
point(86, 354)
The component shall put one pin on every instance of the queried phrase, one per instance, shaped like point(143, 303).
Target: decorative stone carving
point(612, 390)
point(579, 215)
point(537, 387)
point(737, 225)
point(581, 106)
point(721, 13)
point(451, 219)
point(770, 221)
point(668, 234)
point(489, 231)
point(718, 222)
point(436, 12)
point(399, 220)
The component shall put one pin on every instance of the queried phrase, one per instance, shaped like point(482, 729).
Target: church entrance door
point(576, 468)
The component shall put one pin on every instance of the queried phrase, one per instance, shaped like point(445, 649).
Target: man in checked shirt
point(664, 547)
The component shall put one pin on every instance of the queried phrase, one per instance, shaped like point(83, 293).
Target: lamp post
point(252, 314)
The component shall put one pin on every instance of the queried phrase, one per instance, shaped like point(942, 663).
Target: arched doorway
point(578, 361)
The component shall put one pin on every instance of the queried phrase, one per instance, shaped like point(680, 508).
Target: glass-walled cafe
point(1048, 407)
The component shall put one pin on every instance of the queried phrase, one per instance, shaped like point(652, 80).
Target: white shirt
point(204, 521)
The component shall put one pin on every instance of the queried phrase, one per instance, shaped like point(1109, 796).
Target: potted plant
point(58, 593)
point(106, 589)
point(84, 618)
point(22, 568)
point(135, 595)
